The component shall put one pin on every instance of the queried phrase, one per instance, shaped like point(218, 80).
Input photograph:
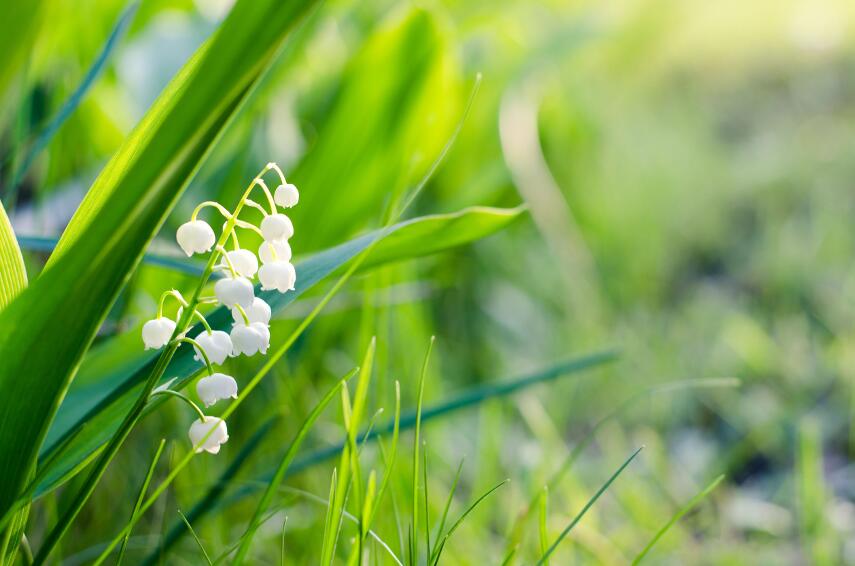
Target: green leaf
point(13, 274)
point(92, 411)
point(46, 330)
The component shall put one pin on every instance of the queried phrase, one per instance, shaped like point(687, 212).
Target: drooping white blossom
point(278, 250)
point(258, 311)
point(217, 346)
point(276, 227)
point(195, 237)
point(157, 332)
point(244, 262)
point(233, 291)
point(264, 331)
point(279, 275)
point(201, 427)
point(286, 195)
point(214, 387)
point(246, 339)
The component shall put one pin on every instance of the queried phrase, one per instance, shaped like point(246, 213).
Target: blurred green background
point(688, 172)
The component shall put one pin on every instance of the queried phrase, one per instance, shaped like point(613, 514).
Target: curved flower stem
point(260, 182)
point(203, 320)
point(234, 238)
point(183, 397)
point(273, 167)
point(255, 205)
point(222, 210)
point(166, 294)
point(243, 314)
point(201, 351)
point(223, 251)
point(207, 301)
point(248, 226)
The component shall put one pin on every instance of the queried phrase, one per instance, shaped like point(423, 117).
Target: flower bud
point(286, 195)
point(195, 237)
point(278, 250)
point(201, 427)
point(279, 275)
point(217, 386)
point(249, 340)
point(276, 227)
point(258, 311)
point(244, 262)
point(234, 291)
point(217, 346)
point(157, 332)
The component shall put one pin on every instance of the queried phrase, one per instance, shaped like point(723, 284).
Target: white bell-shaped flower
point(286, 195)
point(195, 237)
point(200, 429)
point(279, 275)
point(244, 262)
point(264, 330)
point(249, 340)
point(217, 346)
point(157, 332)
point(278, 250)
point(233, 291)
point(276, 227)
point(217, 386)
point(258, 311)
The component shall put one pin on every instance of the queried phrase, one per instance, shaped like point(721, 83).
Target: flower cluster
point(250, 333)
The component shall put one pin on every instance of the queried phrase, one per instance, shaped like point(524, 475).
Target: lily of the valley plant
point(250, 332)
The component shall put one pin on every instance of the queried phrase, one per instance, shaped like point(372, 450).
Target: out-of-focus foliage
point(687, 168)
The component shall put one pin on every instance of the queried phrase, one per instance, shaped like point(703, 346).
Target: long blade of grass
point(543, 534)
point(141, 497)
point(290, 454)
point(451, 492)
point(196, 538)
point(677, 516)
point(414, 538)
point(587, 506)
point(441, 545)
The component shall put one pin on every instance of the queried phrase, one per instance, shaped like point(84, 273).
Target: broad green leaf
point(46, 330)
point(94, 410)
point(392, 112)
point(13, 274)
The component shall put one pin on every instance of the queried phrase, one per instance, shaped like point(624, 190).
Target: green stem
point(273, 167)
point(201, 351)
point(260, 182)
point(223, 251)
point(222, 210)
point(203, 320)
point(243, 314)
point(166, 294)
point(184, 398)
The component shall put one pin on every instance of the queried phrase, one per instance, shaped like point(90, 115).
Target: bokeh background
point(688, 172)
